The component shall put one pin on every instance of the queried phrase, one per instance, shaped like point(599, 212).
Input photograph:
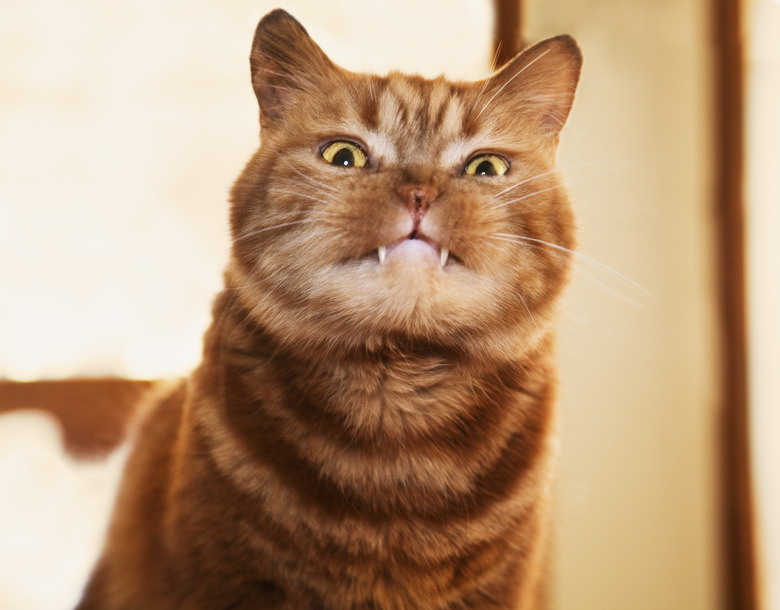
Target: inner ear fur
point(284, 61)
point(539, 83)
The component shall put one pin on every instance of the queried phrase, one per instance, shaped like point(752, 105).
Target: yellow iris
point(344, 154)
point(486, 165)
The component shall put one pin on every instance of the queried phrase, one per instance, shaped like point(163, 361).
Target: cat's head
point(386, 209)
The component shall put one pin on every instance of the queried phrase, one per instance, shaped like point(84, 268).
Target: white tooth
point(444, 254)
point(382, 253)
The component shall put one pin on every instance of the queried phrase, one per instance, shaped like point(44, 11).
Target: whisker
point(522, 182)
point(530, 315)
point(307, 183)
point(313, 216)
point(579, 255)
point(514, 76)
point(314, 180)
point(516, 199)
point(487, 82)
point(303, 195)
point(565, 184)
point(310, 213)
point(606, 287)
point(271, 228)
point(325, 213)
point(277, 277)
point(548, 172)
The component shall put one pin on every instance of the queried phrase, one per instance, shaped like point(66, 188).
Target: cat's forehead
point(410, 120)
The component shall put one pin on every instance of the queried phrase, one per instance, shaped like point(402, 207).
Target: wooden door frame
point(740, 561)
point(739, 566)
point(508, 38)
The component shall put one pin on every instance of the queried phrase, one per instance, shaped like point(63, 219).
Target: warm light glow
point(122, 126)
point(763, 227)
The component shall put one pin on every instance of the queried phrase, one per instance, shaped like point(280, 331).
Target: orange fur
point(368, 428)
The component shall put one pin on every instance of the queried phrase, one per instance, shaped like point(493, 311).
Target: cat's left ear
point(285, 62)
point(539, 84)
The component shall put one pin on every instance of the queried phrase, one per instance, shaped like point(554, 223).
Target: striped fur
point(365, 432)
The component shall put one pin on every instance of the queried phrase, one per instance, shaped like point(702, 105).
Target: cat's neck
point(403, 389)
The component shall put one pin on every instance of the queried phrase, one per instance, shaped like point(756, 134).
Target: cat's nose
point(418, 198)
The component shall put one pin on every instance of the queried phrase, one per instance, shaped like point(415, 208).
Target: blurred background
point(124, 123)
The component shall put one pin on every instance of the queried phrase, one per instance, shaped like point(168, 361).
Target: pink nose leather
point(418, 199)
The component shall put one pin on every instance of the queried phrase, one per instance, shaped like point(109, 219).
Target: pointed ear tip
point(566, 39)
point(274, 17)
point(277, 18)
point(569, 45)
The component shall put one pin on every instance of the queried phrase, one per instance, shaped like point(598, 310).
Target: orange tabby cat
point(372, 423)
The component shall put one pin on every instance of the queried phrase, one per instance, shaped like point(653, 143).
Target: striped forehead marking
point(421, 118)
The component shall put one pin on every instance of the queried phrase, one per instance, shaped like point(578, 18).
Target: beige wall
point(763, 228)
point(637, 522)
point(122, 125)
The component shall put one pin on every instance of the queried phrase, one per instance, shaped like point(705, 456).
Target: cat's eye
point(486, 165)
point(344, 154)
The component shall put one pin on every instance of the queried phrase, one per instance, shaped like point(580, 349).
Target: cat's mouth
point(417, 245)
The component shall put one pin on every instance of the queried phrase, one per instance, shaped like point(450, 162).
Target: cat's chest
point(392, 398)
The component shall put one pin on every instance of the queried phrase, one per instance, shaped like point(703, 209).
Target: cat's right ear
point(285, 62)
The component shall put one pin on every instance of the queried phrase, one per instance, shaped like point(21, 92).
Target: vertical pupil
point(486, 168)
point(344, 157)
